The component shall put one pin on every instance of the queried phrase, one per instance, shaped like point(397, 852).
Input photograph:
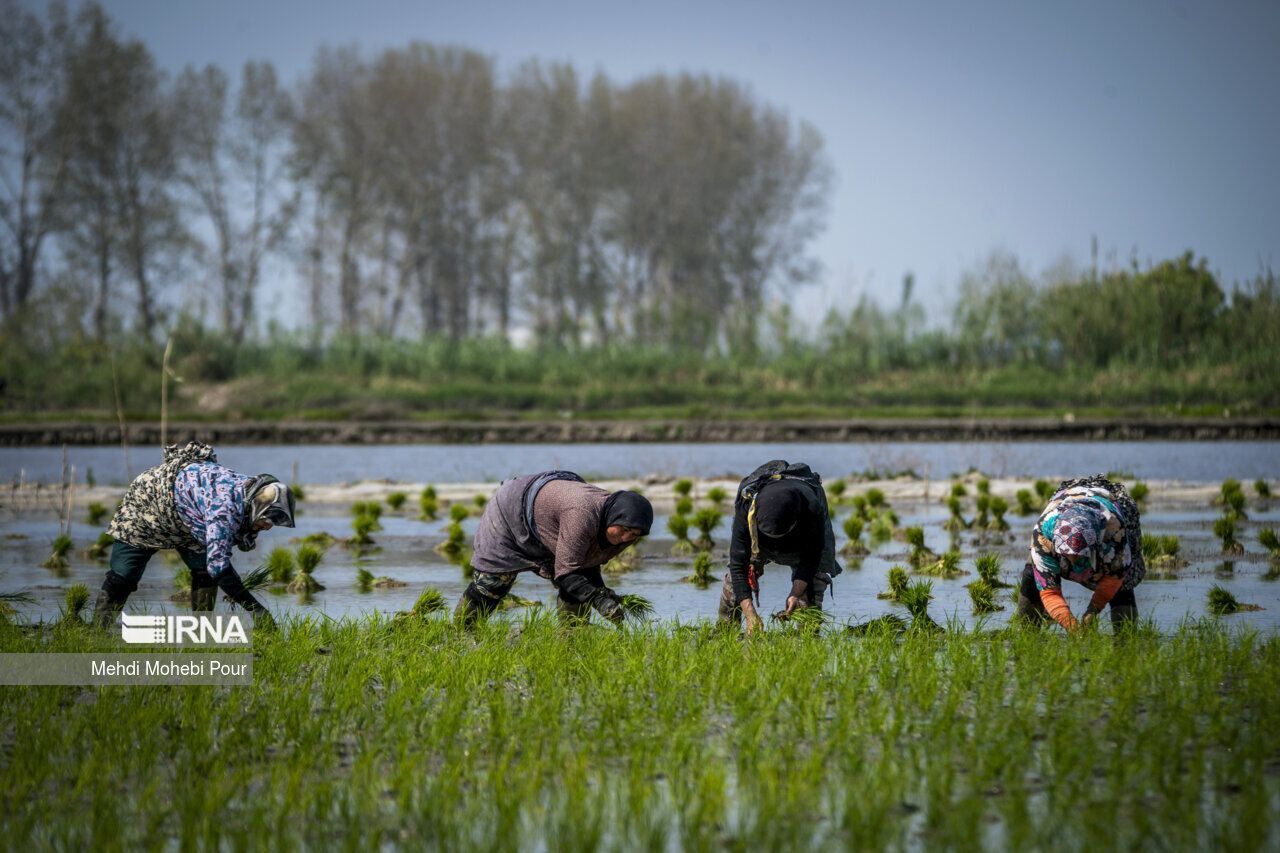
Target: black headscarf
point(784, 511)
point(278, 509)
point(627, 509)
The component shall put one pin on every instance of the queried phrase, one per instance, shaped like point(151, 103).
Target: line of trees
point(414, 192)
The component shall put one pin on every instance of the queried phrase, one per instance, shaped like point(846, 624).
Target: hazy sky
point(954, 128)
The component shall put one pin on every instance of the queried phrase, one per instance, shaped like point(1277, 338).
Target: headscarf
point(627, 509)
point(266, 498)
point(1077, 532)
point(782, 510)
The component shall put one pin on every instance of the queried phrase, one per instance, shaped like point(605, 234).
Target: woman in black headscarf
point(780, 516)
point(561, 527)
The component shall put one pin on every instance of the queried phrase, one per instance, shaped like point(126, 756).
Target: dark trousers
point(1123, 605)
point(128, 562)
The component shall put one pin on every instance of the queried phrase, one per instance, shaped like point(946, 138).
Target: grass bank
point(529, 734)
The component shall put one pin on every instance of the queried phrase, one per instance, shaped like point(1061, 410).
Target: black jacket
point(816, 554)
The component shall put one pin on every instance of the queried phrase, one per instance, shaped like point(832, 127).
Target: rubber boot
point(111, 598)
point(728, 610)
point(473, 606)
point(572, 613)
point(1123, 615)
point(204, 592)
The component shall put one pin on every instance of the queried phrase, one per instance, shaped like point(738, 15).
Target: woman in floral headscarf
point(1089, 533)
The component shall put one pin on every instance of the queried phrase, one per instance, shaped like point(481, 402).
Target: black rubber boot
point(728, 611)
point(572, 612)
point(1123, 616)
point(473, 606)
point(204, 591)
point(111, 599)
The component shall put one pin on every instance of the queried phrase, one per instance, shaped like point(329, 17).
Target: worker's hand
point(794, 603)
point(754, 622)
point(608, 604)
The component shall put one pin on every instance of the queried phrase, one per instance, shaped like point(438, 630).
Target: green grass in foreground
point(412, 733)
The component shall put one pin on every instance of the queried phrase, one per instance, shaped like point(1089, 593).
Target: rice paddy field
point(914, 717)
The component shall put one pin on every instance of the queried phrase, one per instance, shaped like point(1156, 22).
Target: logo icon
point(222, 630)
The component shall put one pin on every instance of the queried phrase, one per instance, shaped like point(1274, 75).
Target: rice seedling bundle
point(683, 487)
point(100, 547)
point(1225, 529)
point(1262, 488)
point(678, 526)
point(95, 513)
point(428, 504)
point(987, 566)
point(983, 597)
point(702, 575)
point(61, 547)
point(1268, 539)
point(1025, 502)
point(684, 506)
point(875, 497)
point(836, 489)
point(77, 598)
point(1222, 602)
point(281, 564)
point(1139, 491)
point(717, 495)
point(898, 581)
point(1044, 489)
point(706, 520)
point(395, 500)
point(458, 512)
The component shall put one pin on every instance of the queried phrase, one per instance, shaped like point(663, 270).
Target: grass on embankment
point(411, 732)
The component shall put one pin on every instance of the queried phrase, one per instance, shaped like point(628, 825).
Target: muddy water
point(1162, 460)
point(405, 553)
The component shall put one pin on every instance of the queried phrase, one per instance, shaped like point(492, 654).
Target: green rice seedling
point(361, 527)
point(983, 597)
point(62, 546)
point(321, 540)
point(299, 492)
point(888, 625)
point(455, 540)
point(1044, 489)
point(395, 500)
point(982, 503)
point(916, 598)
point(988, 567)
point(810, 620)
point(101, 547)
point(875, 498)
point(256, 578)
point(1025, 502)
point(303, 582)
point(364, 580)
point(1139, 492)
point(702, 572)
point(77, 598)
point(836, 489)
point(1262, 489)
point(684, 506)
point(627, 561)
point(898, 581)
point(706, 520)
point(1222, 602)
point(853, 529)
point(860, 506)
point(429, 602)
point(946, 566)
point(9, 600)
point(920, 555)
point(636, 607)
point(882, 527)
point(717, 495)
point(984, 486)
point(958, 490)
point(280, 565)
point(1225, 529)
point(683, 487)
point(428, 504)
point(478, 504)
point(1161, 552)
point(384, 582)
point(678, 526)
point(307, 557)
point(94, 513)
point(1229, 486)
point(458, 512)
point(998, 506)
point(1268, 539)
point(956, 521)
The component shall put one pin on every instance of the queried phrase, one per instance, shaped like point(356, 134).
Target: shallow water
point(405, 552)
point(1161, 460)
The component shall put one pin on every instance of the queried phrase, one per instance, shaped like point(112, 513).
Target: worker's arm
point(739, 559)
point(1102, 595)
point(1056, 606)
point(223, 516)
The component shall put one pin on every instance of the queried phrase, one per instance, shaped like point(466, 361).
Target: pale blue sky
point(954, 128)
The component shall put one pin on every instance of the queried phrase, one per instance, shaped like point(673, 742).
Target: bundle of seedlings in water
point(62, 546)
point(637, 608)
point(429, 602)
point(920, 555)
point(281, 564)
point(684, 506)
point(455, 540)
point(1044, 489)
point(361, 527)
point(321, 540)
point(898, 581)
point(299, 492)
point(957, 491)
point(101, 547)
point(1161, 552)
point(701, 577)
point(1262, 488)
point(706, 520)
point(883, 526)
point(982, 503)
point(890, 624)
point(875, 498)
point(853, 529)
point(94, 513)
point(368, 509)
point(462, 559)
point(1232, 498)
point(9, 600)
point(683, 487)
point(916, 598)
point(1222, 602)
point(860, 507)
point(428, 504)
point(76, 600)
point(946, 566)
point(627, 561)
point(678, 526)
point(255, 579)
point(984, 486)
point(1139, 492)
point(459, 512)
point(395, 500)
point(988, 568)
point(984, 598)
point(998, 506)
point(1026, 502)
point(478, 504)
point(365, 581)
point(717, 496)
point(307, 558)
point(1268, 539)
point(1225, 529)
point(835, 490)
point(956, 521)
